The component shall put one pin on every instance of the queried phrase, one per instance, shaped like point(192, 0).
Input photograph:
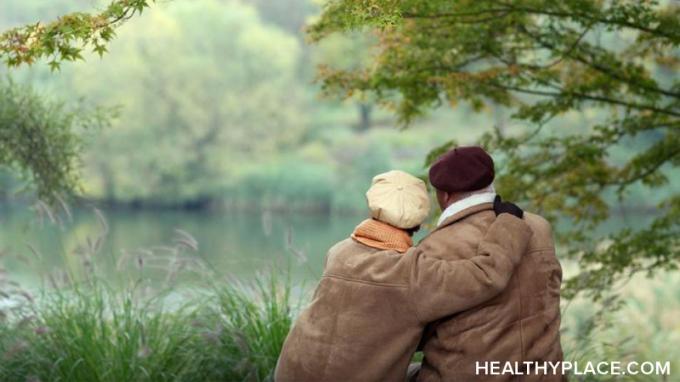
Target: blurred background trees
point(40, 141)
point(208, 88)
point(217, 107)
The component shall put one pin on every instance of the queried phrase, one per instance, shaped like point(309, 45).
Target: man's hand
point(501, 207)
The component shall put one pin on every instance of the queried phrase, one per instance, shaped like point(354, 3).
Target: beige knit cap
point(398, 199)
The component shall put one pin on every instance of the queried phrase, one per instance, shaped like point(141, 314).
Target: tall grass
point(250, 323)
point(89, 333)
point(92, 333)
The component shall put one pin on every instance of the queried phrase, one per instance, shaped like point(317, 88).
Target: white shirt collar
point(472, 200)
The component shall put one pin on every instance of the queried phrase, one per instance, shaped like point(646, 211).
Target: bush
point(287, 185)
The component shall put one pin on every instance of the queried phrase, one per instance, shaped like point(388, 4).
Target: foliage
point(40, 138)
point(286, 184)
point(83, 328)
point(616, 62)
point(205, 124)
point(350, 52)
point(67, 37)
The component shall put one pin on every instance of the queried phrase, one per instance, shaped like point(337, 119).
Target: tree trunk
point(365, 112)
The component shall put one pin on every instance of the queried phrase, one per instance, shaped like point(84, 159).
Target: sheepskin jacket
point(371, 305)
point(521, 324)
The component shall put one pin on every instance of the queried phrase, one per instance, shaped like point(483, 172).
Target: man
point(522, 323)
point(377, 293)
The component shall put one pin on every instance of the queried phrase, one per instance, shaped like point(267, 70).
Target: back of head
point(463, 169)
point(398, 199)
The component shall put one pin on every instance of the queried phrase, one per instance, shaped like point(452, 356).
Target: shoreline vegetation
point(171, 316)
point(89, 332)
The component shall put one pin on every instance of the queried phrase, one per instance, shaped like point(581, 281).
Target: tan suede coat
point(520, 324)
point(371, 305)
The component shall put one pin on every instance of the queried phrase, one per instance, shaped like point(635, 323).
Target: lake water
point(124, 244)
point(233, 244)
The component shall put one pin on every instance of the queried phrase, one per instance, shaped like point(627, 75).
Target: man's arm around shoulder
point(440, 288)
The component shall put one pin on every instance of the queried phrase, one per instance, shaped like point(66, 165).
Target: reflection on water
point(237, 244)
point(231, 244)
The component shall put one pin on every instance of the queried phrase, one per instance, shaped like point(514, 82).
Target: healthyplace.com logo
point(573, 368)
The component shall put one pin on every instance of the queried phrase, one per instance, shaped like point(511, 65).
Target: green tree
point(614, 62)
point(208, 90)
point(39, 138)
point(348, 53)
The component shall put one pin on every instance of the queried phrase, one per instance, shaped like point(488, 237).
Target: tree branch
point(608, 71)
point(509, 8)
point(649, 171)
point(589, 97)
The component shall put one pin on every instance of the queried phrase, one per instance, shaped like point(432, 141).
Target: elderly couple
point(479, 295)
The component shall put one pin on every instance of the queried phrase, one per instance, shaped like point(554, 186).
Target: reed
point(90, 332)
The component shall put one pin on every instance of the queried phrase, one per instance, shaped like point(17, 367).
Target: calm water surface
point(136, 242)
point(236, 244)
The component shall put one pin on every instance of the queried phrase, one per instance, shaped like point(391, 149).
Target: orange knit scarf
point(377, 234)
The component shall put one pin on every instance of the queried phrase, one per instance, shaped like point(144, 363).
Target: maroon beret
point(462, 169)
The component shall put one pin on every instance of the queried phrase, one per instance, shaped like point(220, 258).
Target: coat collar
point(463, 204)
point(463, 214)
